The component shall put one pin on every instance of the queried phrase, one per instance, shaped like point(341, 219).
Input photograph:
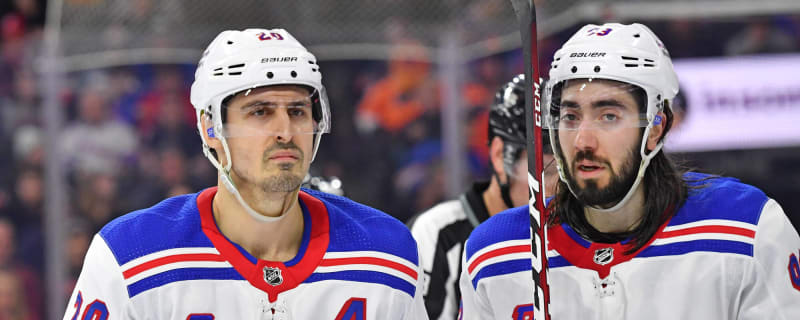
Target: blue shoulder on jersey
point(714, 198)
point(508, 225)
point(172, 223)
point(356, 227)
point(720, 198)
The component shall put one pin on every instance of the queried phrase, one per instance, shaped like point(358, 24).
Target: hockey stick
point(526, 16)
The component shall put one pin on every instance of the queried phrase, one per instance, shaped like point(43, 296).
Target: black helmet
point(507, 121)
point(507, 113)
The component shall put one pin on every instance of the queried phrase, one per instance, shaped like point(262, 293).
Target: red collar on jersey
point(254, 273)
point(584, 257)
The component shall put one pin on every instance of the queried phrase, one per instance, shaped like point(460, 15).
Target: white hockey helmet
point(237, 61)
point(630, 54)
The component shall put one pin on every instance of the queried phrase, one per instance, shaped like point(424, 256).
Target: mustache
point(282, 146)
point(590, 156)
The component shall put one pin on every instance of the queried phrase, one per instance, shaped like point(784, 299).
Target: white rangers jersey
point(729, 253)
point(170, 261)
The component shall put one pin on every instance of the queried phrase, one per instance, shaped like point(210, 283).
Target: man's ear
point(209, 134)
point(496, 158)
point(657, 131)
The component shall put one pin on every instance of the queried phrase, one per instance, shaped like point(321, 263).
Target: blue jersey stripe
point(678, 248)
point(182, 275)
point(365, 276)
point(501, 268)
point(556, 262)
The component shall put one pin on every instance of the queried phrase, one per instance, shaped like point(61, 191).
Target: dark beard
point(619, 185)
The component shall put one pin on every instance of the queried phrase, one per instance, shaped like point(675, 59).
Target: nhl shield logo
point(603, 256)
point(273, 276)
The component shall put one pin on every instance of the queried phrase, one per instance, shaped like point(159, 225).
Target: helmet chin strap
point(228, 183)
point(642, 168)
point(225, 176)
point(505, 190)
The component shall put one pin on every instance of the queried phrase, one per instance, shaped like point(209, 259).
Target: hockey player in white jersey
point(629, 235)
point(257, 246)
point(441, 231)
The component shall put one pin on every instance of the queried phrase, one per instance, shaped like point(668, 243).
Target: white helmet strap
point(227, 181)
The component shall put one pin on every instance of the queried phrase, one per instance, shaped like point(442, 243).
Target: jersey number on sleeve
point(353, 309)
point(96, 310)
point(794, 271)
point(523, 312)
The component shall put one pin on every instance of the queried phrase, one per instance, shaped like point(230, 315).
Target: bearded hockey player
point(442, 230)
point(257, 246)
point(630, 236)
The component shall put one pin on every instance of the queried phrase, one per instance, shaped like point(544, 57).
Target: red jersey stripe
point(709, 229)
point(370, 260)
point(171, 259)
point(498, 252)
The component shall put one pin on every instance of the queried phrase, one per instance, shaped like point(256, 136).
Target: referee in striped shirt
point(441, 231)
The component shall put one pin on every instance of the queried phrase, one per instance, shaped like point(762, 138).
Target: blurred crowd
point(130, 137)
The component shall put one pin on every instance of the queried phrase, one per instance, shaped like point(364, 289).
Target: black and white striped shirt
point(440, 233)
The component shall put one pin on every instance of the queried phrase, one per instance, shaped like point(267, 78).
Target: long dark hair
point(665, 191)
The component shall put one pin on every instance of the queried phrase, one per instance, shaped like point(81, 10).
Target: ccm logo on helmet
point(278, 59)
point(587, 54)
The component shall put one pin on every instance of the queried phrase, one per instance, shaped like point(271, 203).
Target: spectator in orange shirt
point(403, 95)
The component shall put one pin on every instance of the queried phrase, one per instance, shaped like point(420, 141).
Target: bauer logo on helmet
point(587, 55)
point(278, 59)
